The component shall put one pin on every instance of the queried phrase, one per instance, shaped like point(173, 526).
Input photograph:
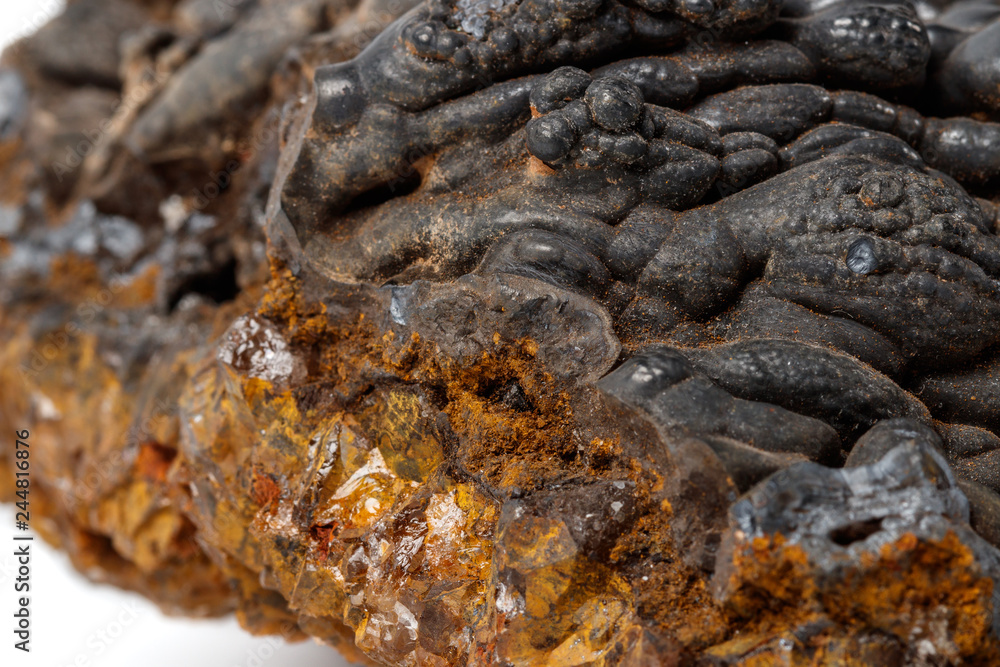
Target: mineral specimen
point(526, 332)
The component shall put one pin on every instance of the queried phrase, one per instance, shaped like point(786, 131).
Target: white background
point(70, 615)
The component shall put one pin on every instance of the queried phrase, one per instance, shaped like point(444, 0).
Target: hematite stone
point(519, 332)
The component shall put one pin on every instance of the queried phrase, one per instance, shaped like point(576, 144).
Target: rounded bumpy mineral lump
point(517, 332)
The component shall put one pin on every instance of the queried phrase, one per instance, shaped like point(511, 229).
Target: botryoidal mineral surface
point(517, 332)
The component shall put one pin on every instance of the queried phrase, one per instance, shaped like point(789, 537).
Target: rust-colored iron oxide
point(517, 332)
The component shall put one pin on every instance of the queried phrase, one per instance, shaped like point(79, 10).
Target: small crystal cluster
point(473, 14)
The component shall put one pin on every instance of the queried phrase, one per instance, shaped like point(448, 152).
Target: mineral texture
point(517, 332)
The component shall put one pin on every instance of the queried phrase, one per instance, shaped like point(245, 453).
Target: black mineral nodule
point(518, 332)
